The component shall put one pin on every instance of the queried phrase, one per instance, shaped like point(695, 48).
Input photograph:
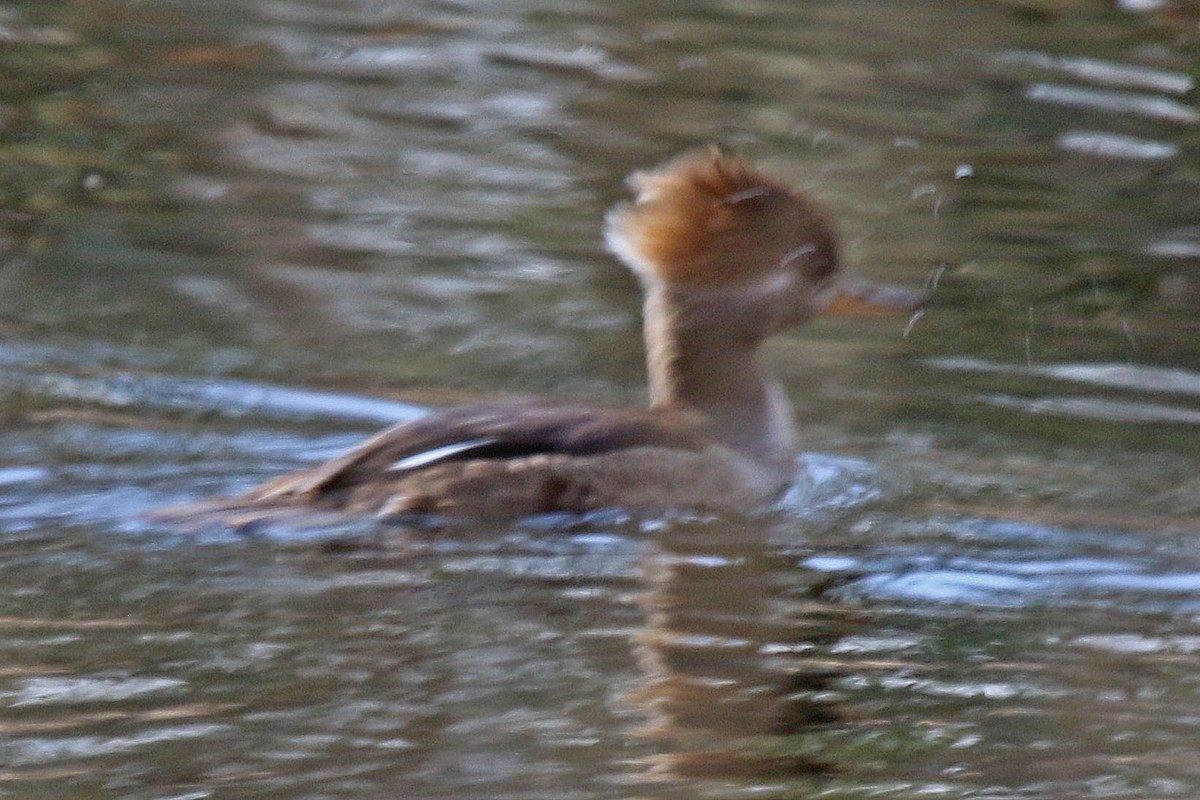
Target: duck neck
point(695, 361)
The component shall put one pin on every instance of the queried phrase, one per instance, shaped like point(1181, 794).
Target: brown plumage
point(709, 219)
point(542, 456)
point(727, 256)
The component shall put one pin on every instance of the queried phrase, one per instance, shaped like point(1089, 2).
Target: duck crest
point(707, 218)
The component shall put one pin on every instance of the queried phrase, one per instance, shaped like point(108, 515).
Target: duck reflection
point(733, 686)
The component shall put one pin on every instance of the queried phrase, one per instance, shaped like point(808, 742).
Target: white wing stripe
point(427, 457)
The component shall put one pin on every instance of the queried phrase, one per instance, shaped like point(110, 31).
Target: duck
point(727, 256)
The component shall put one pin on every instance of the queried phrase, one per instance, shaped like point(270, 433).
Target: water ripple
point(21, 752)
point(223, 396)
point(1141, 105)
point(43, 691)
point(1095, 408)
point(1113, 145)
point(1109, 73)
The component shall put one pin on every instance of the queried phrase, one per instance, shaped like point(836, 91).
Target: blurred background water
point(238, 236)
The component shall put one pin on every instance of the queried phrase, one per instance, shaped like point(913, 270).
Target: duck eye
point(819, 265)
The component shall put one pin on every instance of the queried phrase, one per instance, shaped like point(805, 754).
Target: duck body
point(727, 256)
point(515, 459)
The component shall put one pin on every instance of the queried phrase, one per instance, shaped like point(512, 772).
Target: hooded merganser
point(727, 256)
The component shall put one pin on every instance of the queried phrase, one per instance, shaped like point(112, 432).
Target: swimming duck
point(727, 256)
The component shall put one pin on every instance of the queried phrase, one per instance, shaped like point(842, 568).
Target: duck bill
point(861, 297)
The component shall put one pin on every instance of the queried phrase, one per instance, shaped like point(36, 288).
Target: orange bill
point(857, 297)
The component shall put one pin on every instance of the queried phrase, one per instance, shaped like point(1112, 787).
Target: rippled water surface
point(236, 237)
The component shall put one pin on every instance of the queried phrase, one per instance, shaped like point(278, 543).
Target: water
point(237, 237)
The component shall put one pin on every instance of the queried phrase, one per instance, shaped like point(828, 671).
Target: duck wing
point(487, 432)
